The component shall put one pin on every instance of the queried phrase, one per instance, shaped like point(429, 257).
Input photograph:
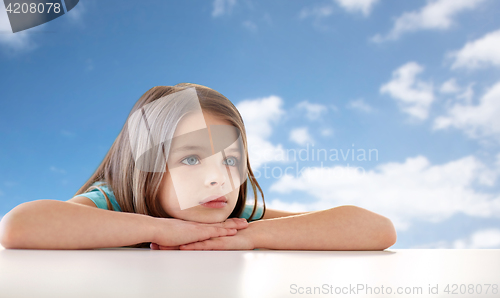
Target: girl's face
point(196, 172)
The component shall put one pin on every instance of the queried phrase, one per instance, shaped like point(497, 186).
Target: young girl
point(178, 177)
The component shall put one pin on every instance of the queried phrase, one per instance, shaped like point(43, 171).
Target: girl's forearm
point(340, 228)
point(51, 224)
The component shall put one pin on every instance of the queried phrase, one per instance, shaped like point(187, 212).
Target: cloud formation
point(313, 111)
point(481, 239)
point(357, 6)
point(320, 12)
point(477, 121)
point(479, 53)
point(449, 87)
point(435, 15)
point(413, 96)
point(301, 136)
point(414, 190)
point(12, 41)
point(259, 116)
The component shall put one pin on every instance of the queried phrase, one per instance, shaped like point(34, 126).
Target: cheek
point(167, 195)
point(236, 176)
point(234, 194)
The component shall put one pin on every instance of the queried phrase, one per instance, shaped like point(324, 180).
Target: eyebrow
point(232, 149)
point(189, 147)
point(193, 147)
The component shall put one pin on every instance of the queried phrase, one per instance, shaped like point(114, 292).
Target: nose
point(216, 175)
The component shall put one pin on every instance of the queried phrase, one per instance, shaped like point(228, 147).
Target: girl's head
point(181, 145)
point(206, 161)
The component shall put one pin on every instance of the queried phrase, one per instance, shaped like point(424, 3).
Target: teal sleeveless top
point(99, 200)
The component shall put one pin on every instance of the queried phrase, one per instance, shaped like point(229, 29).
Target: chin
point(213, 219)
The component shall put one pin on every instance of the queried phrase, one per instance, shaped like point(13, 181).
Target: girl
point(178, 177)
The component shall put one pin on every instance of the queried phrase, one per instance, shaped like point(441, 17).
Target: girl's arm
point(340, 228)
point(273, 213)
point(51, 224)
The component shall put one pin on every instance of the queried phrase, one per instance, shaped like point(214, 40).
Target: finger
point(240, 223)
point(202, 245)
point(221, 232)
point(220, 243)
point(154, 246)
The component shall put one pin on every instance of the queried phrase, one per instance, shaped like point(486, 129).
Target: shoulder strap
point(110, 206)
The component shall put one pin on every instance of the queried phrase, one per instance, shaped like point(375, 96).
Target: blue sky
point(416, 81)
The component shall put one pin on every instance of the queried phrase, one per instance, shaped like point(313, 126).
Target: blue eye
point(190, 161)
point(231, 161)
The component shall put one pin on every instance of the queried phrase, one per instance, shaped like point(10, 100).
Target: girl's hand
point(171, 232)
point(241, 241)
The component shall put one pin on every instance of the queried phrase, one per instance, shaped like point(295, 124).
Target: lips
point(216, 198)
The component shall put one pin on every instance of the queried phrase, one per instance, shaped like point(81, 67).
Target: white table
point(261, 273)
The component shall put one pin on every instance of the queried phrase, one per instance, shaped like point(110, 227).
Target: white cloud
point(320, 12)
point(462, 94)
point(362, 6)
point(467, 94)
point(313, 111)
point(486, 238)
point(435, 15)
point(360, 105)
point(450, 86)
point(476, 121)
point(13, 41)
point(278, 204)
point(478, 53)
point(301, 136)
point(414, 190)
point(414, 96)
point(259, 115)
point(222, 7)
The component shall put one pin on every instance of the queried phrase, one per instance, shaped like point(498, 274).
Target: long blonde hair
point(136, 190)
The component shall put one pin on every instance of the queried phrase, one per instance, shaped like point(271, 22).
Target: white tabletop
point(260, 273)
